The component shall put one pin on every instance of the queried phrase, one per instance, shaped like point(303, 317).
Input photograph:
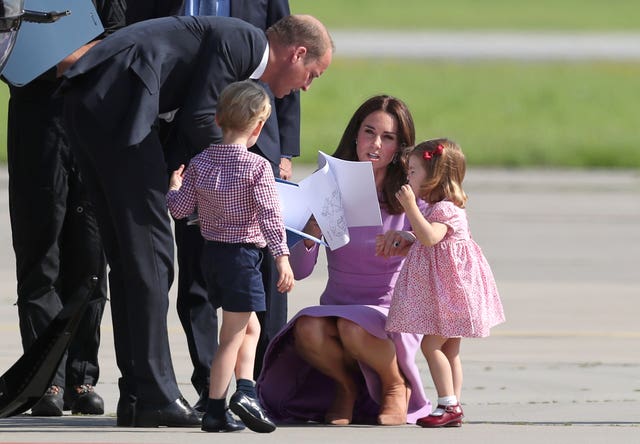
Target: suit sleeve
point(288, 107)
point(288, 112)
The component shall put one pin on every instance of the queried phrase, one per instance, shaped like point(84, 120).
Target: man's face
point(297, 74)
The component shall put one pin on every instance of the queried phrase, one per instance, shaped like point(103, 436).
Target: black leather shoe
point(226, 424)
point(51, 404)
point(251, 413)
point(177, 414)
point(83, 400)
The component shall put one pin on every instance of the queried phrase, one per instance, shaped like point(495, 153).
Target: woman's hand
point(313, 229)
point(394, 243)
point(175, 182)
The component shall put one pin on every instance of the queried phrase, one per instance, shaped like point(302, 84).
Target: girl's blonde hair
point(445, 166)
point(242, 105)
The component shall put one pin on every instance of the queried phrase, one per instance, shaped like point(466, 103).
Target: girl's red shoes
point(452, 417)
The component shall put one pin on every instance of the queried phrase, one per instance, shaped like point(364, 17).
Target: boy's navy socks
point(247, 387)
point(216, 407)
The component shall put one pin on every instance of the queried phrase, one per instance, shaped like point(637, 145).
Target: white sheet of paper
point(295, 212)
point(325, 202)
point(359, 197)
point(340, 194)
point(292, 204)
point(40, 46)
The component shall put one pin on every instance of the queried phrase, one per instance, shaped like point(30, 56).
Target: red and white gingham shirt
point(236, 197)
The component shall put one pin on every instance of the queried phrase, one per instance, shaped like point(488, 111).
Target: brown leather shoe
point(395, 404)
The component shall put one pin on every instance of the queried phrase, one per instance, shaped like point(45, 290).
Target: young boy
point(235, 194)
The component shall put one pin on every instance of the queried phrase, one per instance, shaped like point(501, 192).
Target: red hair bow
point(435, 152)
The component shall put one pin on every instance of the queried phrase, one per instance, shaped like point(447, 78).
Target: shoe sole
point(454, 423)
point(251, 421)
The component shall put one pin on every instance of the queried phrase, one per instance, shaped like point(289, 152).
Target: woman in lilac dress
point(335, 363)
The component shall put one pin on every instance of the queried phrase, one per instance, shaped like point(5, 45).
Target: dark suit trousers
point(128, 185)
point(55, 234)
point(197, 316)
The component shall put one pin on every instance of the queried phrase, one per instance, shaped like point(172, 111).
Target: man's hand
point(286, 168)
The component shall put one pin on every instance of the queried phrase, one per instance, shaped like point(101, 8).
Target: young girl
point(235, 193)
point(445, 290)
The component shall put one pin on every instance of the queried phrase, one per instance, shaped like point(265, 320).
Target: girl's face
point(377, 139)
point(417, 174)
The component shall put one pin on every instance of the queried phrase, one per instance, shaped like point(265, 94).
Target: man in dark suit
point(54, 231)
point(278, 142)
point(113, 96)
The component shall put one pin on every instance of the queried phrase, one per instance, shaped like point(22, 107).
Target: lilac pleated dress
point(359, 288)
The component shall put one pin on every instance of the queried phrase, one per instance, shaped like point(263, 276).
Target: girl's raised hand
point(405, 196)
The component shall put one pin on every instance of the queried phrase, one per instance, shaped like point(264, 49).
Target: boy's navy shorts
point(233, 277)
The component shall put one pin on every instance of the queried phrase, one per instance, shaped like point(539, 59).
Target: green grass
point(576, 15)
point(502, 114)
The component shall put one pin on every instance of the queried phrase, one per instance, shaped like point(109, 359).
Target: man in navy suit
point(113, 97)
point(279, 141)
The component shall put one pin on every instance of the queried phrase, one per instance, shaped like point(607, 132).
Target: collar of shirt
point(262, 66)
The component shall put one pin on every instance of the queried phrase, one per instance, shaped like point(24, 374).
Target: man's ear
point(299, 53)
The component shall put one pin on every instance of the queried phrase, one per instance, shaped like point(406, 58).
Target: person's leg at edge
point(317, 342)
point(395, 392)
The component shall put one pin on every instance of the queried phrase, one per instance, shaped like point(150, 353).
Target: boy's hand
point(285, 280)
point(176, 178)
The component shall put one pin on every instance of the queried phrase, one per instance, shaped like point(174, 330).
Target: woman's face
point(377, 139)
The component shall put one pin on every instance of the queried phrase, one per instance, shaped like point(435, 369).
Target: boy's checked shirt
point(235, 193)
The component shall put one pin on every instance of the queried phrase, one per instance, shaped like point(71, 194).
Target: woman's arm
point(304, 254)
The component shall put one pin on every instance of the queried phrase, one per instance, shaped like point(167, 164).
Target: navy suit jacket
point(160, 65)
point(281, 133)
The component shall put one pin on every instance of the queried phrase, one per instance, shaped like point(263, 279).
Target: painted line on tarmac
point(568, 334)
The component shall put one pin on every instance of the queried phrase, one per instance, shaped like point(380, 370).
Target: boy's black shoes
point(251, 413)
point(225, 424)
